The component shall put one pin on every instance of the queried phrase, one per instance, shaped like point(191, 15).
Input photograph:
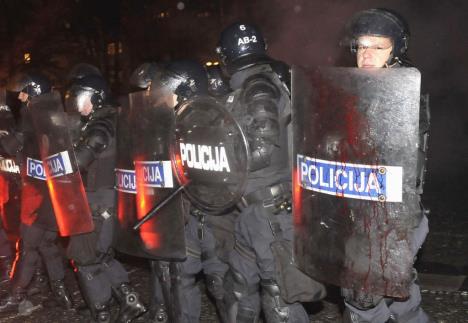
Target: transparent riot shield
point(211, 154)
point(144, 179)
point(355, 135)
point(63, 178)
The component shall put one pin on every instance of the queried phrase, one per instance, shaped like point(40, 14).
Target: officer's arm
point(95, 141)
point(261, 98)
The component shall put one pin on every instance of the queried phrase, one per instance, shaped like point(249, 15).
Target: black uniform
point(264, 229)
point(38, 231)
point(365, 307)
point(99, 274)
point(95, 153)
point(176, 296)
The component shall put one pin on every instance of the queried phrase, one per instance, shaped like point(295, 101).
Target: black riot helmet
point(81, 70)
point(218, 85)
point(31, 83)
point(143, 75)
point(185, 78)
point(240, 46)
point(380, 22)
point(93, 87)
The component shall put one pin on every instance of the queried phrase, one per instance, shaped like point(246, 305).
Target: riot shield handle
point(159, 206)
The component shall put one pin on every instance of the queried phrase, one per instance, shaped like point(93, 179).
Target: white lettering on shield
point(209, 158)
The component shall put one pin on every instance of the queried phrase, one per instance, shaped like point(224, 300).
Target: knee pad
point(214, 284)
point(273, 305)
point(236, 285)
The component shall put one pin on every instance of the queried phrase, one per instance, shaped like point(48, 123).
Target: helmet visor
point(79, 101)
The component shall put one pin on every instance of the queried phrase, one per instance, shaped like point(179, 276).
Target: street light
point(27, 58)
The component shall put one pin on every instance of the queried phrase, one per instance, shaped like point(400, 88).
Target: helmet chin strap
point(392, 61)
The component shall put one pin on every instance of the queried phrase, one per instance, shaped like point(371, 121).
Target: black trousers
point(98, 279)
point(37, 244)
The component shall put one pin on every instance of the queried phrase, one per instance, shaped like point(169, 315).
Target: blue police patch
point(35, 169)
point(155, 173)
point(125, 180)
point(58, 164)
point(357, 181)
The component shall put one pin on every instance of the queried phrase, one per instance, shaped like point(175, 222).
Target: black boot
point(61, 294)
point(38, 283)
point(6, 263)
point(17, 302)
point(130, 305)
point(159, 314)
point(101, 313)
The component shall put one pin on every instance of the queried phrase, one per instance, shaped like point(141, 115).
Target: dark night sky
point(304, 32)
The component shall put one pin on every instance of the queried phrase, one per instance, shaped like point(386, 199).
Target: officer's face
point(373, 51)
point(23, 97)
point(84, 104)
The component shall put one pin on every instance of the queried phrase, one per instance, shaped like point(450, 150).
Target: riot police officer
point(99, 274)
point(260, 101)
point(38, 232)
point(379, 39)
point(179, 81)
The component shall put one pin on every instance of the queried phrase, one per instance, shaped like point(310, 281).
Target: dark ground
point(444, 306)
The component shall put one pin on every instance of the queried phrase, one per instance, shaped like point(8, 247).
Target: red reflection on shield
point(297, 197)
point(178, 168)
point(70, 204)
point(146, 200)
point(4, 197)
point(31, 200)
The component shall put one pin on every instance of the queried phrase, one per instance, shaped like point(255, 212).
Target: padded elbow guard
point(87, 150)
point(261, 98)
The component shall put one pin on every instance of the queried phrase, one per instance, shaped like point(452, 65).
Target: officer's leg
point(364, 308)
point(189, 291)
point(6, 256)
point(273, 305)
point(409, 310)
point(96, 290)
point(242, 296)
point(213, 268)
point(130, 304)
point(175, 293)
point(160, 287)
point(27, 257)
point(241, 282)
point(161, 307)
point(53, 261)
point(187, 295)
